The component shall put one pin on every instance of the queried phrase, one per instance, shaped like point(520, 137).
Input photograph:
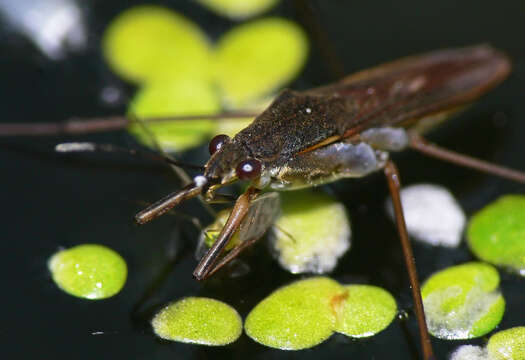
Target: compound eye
point(217, 142)
point(248, 169)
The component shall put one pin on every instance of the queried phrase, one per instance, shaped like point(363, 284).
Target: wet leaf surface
point(88, 271)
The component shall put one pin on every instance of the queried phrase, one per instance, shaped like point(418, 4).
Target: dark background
point(51, 201)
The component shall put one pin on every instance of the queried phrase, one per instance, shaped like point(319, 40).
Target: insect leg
point(239, 211)
point(232, 254)
point(417, 142)
point(394, 185)
point(75, 126)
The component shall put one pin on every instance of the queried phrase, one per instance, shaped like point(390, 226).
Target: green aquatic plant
point(164, 99)
point(198, 320)
point(507, 344)
point(365, 311)
point(239, 9)
point(307, 312)
point(311, 233)
point(496, 233)
point(160, 49)
point(463, 301)
point(151, 43)
point(88, 271)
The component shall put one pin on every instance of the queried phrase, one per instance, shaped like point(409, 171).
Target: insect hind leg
point(419, 143)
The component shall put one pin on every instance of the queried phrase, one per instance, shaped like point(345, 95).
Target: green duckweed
point(239, 9)
point(198, 320)
point(164, 99)
point(365, 311)
point(148, 43)
point(496, 234)
point(88, 271)
point(463, 301)
point(256, 58)
point(307, 312)
point(296, 316)
point(507, 344)
point(312, 232)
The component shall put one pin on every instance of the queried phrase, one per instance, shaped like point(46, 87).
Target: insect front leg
point(238, 213)
point(261, 215)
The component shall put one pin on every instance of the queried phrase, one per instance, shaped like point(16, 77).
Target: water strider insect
point(346, 129)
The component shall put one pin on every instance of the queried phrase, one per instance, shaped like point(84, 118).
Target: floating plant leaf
point(297, 316)
point(312, 232)
point(198, 320)
point(238, 9)
point(150, 43)
point(88, 271)
point(496, 234)
point(164, 99)
point(256, 58)
point(463, 301)
point(432, 214)
point(507, 344)
point(364, 311)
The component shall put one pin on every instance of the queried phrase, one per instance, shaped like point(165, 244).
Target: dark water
point(50, 201)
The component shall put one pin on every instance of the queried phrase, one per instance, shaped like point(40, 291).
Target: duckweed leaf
point(256, 58)
point(507, 344)
point(198, 320)
point(296, 316)
point(150, 43)
point(364, 311)
point(496, 234)
point(463, 301)
point(88, 271)
point(164, 99)
point(239, 9)
point(432, 214)
point(312, 232)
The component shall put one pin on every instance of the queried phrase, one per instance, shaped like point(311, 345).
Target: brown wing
point(402, 92)
point(399, 93)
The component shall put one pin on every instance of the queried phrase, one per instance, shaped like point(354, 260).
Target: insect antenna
point(76, 126)
point(73, 147)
